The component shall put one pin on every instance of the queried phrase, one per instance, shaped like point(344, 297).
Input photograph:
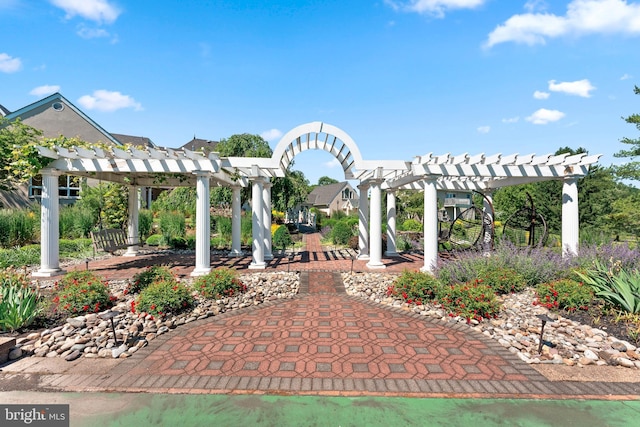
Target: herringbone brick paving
point(320, 342)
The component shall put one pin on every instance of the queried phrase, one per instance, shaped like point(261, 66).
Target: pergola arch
point(319, 136)
point(151, 167)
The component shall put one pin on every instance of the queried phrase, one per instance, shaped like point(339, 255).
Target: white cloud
point(582, 17)
point(104, 100)
point(484, 129)
point(44, 90)
point(94, 10)
point(626, 76)
point(511, 120)
point(9, 64)
point(535, 5)
point(579, 87)
point(92, 33)
point(433, 7)
point(541, 95)
point(544, 116)
point(271, 134)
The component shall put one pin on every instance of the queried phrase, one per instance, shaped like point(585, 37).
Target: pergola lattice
point(172, 168)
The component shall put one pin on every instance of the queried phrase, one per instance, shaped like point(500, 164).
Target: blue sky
point(401, 77)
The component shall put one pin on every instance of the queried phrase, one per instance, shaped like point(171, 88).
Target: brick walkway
point(320, 342)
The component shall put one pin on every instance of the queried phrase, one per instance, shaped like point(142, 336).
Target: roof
point(325, 194)
point(141, 141)
point(203, 145)
point(4, 111)
point(57, 96)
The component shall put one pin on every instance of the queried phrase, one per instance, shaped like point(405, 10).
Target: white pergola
point(429, 173)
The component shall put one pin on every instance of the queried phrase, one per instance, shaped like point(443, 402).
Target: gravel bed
point(517, 327)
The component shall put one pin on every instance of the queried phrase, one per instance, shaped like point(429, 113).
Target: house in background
point(328, 199)
point(338, 197)
point(56, 116)
point(453, 203)
point(203, 145)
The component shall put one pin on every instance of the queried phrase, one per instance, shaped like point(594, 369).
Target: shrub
point(182, 199)
point(154, 273)
point(76, 248)
point(246, 228)
point(223, 227)
point(470, 300)
point(25, 255)
point(564, 294)
point(163, 297)
point(19, 303)
point(145, 223)
point(282, 238)
point(82, 292)
point(502, 280)
point(535, 265)
point(340, 233)
point(156, 240)
point(172, 225)
point(219, 283)
point(76, 221)
point(17, 227)
point(415, 287)
point(412, 225)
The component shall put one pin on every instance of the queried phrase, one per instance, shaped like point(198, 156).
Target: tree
point(630, 170)
point(325, 180)
point(289, 191)
point(624, 219)
point(244, 145)
point(239, 145)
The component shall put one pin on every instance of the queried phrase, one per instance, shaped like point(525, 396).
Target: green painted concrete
point(141, 410)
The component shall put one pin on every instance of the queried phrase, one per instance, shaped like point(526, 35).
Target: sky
point(401, 77)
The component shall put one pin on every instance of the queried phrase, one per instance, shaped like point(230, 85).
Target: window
point(68, 187)
point(347, 194)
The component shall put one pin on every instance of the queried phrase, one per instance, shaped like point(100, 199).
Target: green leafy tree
point(289, 191)
point(624, 217)
point(239, 145)
point(410, 205)
point(630, 170)
point(325, 180)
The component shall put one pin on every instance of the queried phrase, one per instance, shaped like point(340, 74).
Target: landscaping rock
point(89, 336)
point(517, 328)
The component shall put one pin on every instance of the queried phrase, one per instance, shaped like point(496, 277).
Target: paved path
point(320, 342)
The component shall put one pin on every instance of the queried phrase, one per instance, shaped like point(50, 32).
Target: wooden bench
point(110, 240)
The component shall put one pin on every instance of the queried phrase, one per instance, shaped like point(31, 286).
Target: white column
point(430, 221)
point(570, 217)
point(391, 224)
point(132, 225)
point(375, 225)
point(363, 222)
point(257, 227)
point(266, 218)
point(236, 221)
point(203, 225)
point(49, 226)
point(149, 197)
